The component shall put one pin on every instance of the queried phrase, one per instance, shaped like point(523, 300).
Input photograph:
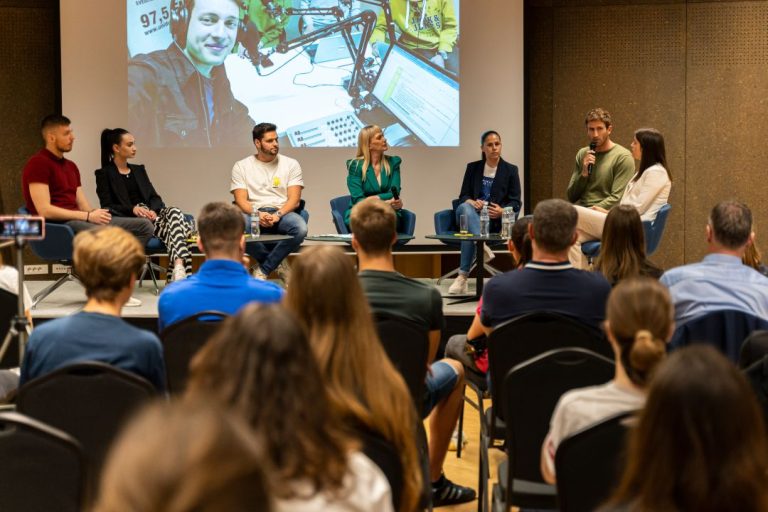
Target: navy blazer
point(113, 195)
point(505, 191)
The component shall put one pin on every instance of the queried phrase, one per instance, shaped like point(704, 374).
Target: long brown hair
point(622, 252)
point(364, 386)
point(700, 444)
point(260, 364)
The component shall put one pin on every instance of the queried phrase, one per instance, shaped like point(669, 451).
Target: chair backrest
point(57, 244)
point(407, 345)
point(386, 457)
point(8, 310)
point(654, 230)
point(754, 348)
point(725, 329)
point(531, 391)
point(90, 401)
point(339, 205)
point(527, 336)
point(182, 340)
point(588, 464)
point(42, 467)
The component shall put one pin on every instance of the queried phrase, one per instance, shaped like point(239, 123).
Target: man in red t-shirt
point(52, 188)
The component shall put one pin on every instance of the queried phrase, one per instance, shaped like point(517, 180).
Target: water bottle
point(485, 221)
point(255, 229)
point(506, 223)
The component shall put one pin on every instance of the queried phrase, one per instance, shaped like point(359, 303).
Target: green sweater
point(436, 30)
point(612, 171)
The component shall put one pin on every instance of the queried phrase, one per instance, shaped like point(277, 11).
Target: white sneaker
point(455, 440)
point(459, 286)
point(179, 273)
point(133, 302)
point(284, 271)
point(488, 254)
point(258, 274)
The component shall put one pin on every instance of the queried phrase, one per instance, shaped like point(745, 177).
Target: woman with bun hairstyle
point(639, 323)
point(125, 190)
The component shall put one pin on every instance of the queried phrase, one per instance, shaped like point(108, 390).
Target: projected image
point(201, 73)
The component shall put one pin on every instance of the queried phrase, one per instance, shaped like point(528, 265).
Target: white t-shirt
point(266, 183)
point(579, 408)
point(9, 281)
point(489, 172)
point(365, 489)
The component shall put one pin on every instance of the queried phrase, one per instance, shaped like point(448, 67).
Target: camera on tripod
point(25, 227)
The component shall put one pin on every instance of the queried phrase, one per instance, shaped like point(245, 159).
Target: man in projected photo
point(270, 185)
point(181, 96)
point(427, 27)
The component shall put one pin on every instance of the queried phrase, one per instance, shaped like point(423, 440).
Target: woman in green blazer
point(372, 172)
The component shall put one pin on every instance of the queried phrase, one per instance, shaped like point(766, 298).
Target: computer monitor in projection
point(200, 70)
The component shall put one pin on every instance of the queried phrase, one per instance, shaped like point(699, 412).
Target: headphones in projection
point(180, 22)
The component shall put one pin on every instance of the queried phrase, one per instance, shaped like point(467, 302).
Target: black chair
point(90, 401)
point(724, 329)
point(754, 348)
point(386, 457)
point(8, 306)
point(42, 468)
point(181, 341)
point(512, 343)
point(407, 345)
point(588, 464)
point(530, 392)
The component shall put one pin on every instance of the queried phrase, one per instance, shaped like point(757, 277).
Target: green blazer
point(360, 189)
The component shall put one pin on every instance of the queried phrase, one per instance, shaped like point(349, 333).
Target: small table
point(479, 243)
point(348, 238)
point(266, 238)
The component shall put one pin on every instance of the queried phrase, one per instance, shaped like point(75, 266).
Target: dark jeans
point(292, 224)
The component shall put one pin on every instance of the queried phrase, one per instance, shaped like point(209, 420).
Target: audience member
point(222, 283)
point(720, 281)
point(373, 225)
point(622, 251)
point(180, 457)
point(107, 261)
point(700, 445)
point(639, 322)
point(260, 365)
point(363, 385)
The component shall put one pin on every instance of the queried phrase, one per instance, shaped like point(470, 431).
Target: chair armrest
point(338, 221)
point(409, 221)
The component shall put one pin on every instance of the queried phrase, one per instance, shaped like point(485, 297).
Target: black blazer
point(110, 187)
point(506, 186)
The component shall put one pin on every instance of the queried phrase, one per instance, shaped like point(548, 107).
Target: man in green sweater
point(600, 175)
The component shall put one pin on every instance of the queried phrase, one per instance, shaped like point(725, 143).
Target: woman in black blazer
point(490, 181)
point(126, 191)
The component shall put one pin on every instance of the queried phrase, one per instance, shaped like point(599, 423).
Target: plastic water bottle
point(255, 229)
point(506, 223)
point(485, 221)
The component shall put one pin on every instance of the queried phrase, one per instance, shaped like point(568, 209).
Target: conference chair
point(445, 224)
point(653, 231)
point(514, 342)
point(340, 204)
point(754, 348)
point(528, 395)
point(588, 463)
point(42, 467)
point(90, 401)
point(181, 341)
point(55, 247)
point(156, 247)
point(724, 329)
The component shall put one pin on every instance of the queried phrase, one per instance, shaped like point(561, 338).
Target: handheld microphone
point(592, 146)
point(395, 194)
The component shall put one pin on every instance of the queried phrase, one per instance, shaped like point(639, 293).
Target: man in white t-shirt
point(270, 184)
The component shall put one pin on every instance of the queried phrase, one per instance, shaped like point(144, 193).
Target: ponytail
point(110, 137)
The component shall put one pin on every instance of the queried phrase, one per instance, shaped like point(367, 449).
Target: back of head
point(522, 240)
point(731, 224)
point(700, 443)
point(180, 457)
point(623, 244)
point(105, 259)
point(640, 316)
point(220, 227)
point(374, 225)
point(109, 138)
point(598, 114)
point(554, 225)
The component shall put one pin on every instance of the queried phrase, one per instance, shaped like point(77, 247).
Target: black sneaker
point(445, 492)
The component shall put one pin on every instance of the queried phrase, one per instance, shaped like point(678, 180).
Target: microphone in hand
point(395, 194)
point(592, 146)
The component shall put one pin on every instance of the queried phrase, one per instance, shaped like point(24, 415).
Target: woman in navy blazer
point(490, 181)
point(126, 191)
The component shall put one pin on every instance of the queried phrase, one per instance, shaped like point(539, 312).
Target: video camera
point(26, 227)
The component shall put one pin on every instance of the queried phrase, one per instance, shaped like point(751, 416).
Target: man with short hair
point(720, 280)
point(108, 260)
point(612, 166)
point(270, 185)
point(373, 223)
point(181, 96)
point(222, 283)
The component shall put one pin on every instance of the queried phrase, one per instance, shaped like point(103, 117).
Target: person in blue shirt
point(107, 260)
point(222, 283)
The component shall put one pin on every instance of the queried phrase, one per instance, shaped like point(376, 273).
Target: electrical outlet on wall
point(58, 268)
point(35, 269)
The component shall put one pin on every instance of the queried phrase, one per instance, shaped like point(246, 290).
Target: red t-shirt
point(61, 175)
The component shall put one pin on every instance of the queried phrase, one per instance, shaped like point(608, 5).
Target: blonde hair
point(363, 385)
point(364, 149)
point(105, 259)
point(180, 457)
